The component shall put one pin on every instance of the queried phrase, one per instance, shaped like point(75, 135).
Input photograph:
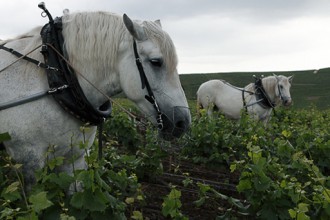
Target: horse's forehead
point(284, 81)
point(151, 48)
point(164, 43)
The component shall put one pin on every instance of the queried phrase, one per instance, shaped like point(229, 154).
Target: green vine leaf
point(40, 202)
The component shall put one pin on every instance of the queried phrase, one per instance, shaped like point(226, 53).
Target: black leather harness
point(72, 99)
point(262, 95)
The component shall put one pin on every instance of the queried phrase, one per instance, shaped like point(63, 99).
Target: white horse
point(258, 98)
point(99, 45)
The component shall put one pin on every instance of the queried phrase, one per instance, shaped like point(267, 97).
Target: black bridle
point(145, 84)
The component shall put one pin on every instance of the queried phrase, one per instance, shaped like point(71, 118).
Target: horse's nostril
point(287, 102)
point(180, 124)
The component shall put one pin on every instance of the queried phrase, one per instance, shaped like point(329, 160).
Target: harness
point(261, 96)
point(63, 82)
point(72, 98)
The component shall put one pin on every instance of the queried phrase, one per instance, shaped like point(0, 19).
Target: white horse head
point(282, 89)
point(113, 60)
point(159, 60)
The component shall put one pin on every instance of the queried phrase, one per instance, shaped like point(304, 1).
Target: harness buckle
point(54, 90)
point(159, 121)
point(138, 59)
point(51, 68)
point(44, 49)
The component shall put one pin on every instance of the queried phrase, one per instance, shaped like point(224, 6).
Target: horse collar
point(261, 95)
point(72, 99)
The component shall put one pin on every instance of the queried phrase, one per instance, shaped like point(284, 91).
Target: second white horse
point(258, 98)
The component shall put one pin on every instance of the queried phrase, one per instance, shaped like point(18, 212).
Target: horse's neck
point(96, 58)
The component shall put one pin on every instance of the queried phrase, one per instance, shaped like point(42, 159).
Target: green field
point(308, 89)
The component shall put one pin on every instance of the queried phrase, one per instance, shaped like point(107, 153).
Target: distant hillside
point(308, 88)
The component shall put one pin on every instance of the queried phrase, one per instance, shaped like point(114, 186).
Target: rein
point(21, 56)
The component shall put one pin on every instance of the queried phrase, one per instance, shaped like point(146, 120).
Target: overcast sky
point(211, 35)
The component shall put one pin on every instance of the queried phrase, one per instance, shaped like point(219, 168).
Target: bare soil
point(175, 171)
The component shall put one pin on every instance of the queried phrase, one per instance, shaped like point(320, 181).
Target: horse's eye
point(156, 62)
point(281, 86)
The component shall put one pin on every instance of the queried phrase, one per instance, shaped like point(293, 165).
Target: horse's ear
point(158, 23)
point(66, 11)
point(290, 78)
point(134, 28)
point(276, 76)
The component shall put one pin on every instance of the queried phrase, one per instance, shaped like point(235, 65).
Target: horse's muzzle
point(176, 123)
point(287, 101)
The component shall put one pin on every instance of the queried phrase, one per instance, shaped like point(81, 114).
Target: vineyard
point(221, 169)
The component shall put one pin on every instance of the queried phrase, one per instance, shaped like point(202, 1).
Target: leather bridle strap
point(145, 84)
point(244, 101)
point(25, 57)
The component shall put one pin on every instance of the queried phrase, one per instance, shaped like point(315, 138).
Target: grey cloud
point(211, 35)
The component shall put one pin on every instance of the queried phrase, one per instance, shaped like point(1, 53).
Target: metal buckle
point(54, 90)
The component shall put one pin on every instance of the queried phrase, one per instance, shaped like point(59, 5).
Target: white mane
point(95, 34)
point(100, 34)
point(269, 84)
